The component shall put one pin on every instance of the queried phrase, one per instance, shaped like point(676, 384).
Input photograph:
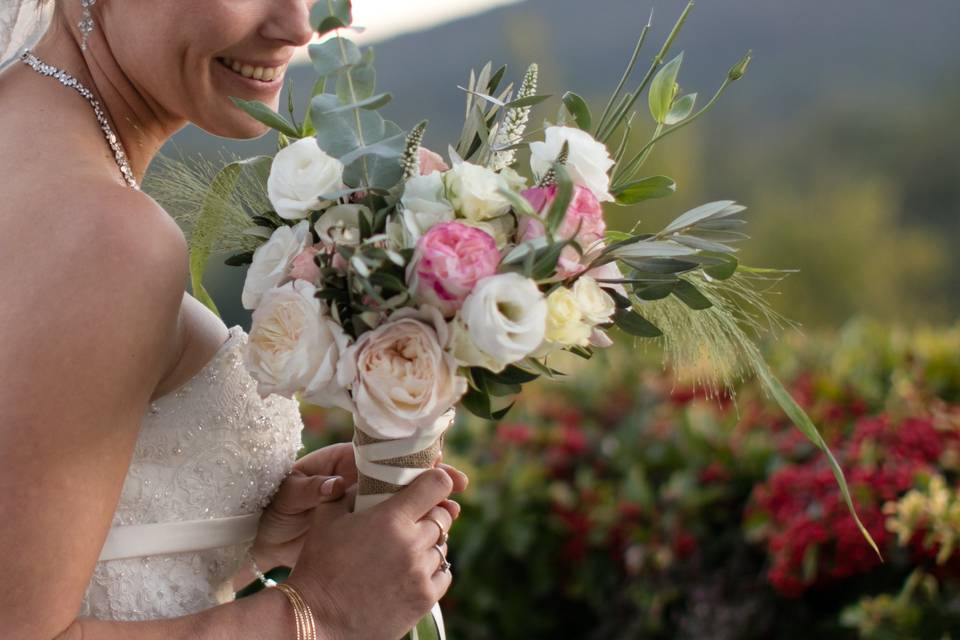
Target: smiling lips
point(263, 74)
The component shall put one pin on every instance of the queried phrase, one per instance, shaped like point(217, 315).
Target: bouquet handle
point(384, 468)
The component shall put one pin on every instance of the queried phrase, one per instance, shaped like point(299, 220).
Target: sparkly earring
point(86, 22)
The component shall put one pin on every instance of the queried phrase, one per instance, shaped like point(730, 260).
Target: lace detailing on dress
point(211, 449)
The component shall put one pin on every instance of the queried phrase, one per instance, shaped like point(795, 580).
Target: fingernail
point(327, 487)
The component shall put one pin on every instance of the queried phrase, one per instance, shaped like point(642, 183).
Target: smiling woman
point(141, 462)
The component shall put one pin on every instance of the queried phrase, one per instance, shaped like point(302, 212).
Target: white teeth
point(264, 74)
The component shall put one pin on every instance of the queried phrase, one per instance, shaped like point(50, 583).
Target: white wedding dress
point(208, 458)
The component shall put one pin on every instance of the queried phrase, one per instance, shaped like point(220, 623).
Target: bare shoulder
point(102, 264)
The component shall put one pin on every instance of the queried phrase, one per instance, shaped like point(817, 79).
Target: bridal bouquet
point(398, 284)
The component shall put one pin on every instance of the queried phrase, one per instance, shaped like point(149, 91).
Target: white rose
point(596, 305)
point(402, 378)
point(423, 205)
point(501, 321)
point(272, 261)
point(565, 325)
point(588, 161)
point(295, 345)
point(300, 174)
point(340, 225)
point(474, 191)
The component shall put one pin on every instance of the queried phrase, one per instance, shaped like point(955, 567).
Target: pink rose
point(430, 162)
point(449, 260)
point(304, 267)
point(583, 222)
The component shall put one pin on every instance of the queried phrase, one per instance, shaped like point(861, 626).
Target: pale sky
point(384, 19)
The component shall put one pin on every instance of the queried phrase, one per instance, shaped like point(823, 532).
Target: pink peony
point(449, 260)
point(583, 222)
point(304, 267)
point(430, 161)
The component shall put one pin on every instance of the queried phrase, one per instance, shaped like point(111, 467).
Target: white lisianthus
point(294, 345)
point(272, 261)
point(596, 305)
point(588, 161)
point(565, 321)
point(402, 378)
point(423, 205)
point(474, 191)
point(501, 322)
point(300, 174)
point(340, 225)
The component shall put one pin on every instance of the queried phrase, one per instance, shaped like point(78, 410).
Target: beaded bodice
point(211, 449)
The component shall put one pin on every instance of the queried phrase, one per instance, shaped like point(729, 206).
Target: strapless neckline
point(234, 333)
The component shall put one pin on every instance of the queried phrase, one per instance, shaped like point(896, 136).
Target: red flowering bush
point(622, 505)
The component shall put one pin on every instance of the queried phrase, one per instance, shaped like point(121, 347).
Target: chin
point(235, 127)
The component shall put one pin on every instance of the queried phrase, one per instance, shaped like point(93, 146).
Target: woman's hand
point(324, 477)
point(373, 575)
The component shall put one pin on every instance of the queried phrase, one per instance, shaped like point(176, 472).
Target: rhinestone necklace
point(67, 80)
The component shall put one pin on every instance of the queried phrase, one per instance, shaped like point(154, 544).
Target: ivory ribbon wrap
point(386, 466)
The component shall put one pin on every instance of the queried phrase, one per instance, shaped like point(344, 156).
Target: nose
point(289, 21)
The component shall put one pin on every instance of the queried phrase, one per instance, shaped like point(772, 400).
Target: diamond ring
point(443, 534)
point(444, 563)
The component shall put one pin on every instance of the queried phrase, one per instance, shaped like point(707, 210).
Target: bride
point(139, 469)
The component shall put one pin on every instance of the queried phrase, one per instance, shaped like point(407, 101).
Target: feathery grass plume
point(514, 124)
point(717, 346)
point(410, 160)
point(181, 185)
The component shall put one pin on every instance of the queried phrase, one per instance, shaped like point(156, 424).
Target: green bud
point(736, 71)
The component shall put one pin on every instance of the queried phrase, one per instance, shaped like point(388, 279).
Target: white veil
point(21, 23)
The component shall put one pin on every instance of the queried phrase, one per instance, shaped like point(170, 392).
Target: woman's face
point(188, 57)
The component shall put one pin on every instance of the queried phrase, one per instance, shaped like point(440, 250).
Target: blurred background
point(623, 504)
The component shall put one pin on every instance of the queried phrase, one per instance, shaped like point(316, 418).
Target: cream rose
point(401, 377)
point(294, 346)
point(565, 322)
point(474, 192)
point(300, 174)
point(595, 304)
point(272, 261)
point(588, 161)
point(500, 323)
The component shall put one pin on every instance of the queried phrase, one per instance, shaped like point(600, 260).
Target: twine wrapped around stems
point(387, 466)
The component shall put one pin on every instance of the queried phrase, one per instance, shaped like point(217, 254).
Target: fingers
point(334, 460)
point(452, 507)
point(460, 479)
point(435, 520)
point(300, 492)
point(430, 488)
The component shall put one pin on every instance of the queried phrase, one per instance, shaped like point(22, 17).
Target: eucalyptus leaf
point(529, 101)
point(663, 88)
point(333, 55)
point(328, 15)
point(723, 271)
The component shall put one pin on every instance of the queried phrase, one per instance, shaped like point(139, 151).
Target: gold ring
point(443, 534)
point(444, 563)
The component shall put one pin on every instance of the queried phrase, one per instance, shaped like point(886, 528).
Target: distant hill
point(805, 53)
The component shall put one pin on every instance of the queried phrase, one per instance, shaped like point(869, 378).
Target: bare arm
point(265, 616)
